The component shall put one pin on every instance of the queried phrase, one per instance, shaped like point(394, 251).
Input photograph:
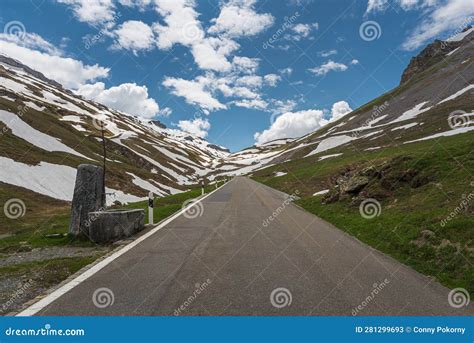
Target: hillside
point(397, 173)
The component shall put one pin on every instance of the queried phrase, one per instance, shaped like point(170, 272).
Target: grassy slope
point(449, 164)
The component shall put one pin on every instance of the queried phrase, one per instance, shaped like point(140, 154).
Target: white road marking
point(38, 306)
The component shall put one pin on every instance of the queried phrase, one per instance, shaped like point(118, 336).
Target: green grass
point(447, 163)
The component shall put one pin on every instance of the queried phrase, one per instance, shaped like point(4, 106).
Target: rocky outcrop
point(88, 197)
point(429, 56)
point(374, 181)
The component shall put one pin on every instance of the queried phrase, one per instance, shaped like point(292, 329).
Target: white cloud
point(245, 64)
point(195, 92)
point(301, 31)
point(69, 72)
point(339, 110)
point(92, 11)
point(297, 124)
point(282, 106)
point(165, 112)
point(140, 4)
point(327, 53)
point(452, 16)
point(31, 41)
point(286, 71)
point(197, 127)
point(272, 79)
point(211, 53)
point(134, 35)
point(327, 67)
point(127, 97)
point(382, 5)
point(257, 104)
point(354, 61)
point(376, 6)
point(292, 124)
point(238, 19)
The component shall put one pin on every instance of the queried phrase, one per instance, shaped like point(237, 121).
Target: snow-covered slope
point(47, 131)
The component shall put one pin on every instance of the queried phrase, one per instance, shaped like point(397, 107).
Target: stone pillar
point(88, 197)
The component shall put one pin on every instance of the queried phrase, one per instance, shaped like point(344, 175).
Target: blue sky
point(234, 72)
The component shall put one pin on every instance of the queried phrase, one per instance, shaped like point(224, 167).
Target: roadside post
point(150, 207)
point(202, 187)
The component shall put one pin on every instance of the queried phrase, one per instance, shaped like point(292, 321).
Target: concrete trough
point(112, 225)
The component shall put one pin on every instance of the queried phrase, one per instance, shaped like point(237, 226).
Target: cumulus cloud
point(238, 18)
point(339, 110)
point(194, 92)
point(134, 35)
point(299, 123)
point(292, 124)
point(127, 97)
point(327, 67)
point(197, 127)
point(44, 57)
point(92, 11)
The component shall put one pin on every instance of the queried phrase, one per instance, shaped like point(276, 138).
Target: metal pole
point(150, 207)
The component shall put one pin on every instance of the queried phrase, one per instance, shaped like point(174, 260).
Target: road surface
point(251, 252)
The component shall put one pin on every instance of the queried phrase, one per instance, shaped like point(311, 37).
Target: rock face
point(88, 197)
point(109, 226)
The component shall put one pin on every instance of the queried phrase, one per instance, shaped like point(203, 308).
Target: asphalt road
point(234, 260)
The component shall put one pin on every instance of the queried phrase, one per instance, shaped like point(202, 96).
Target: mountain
point(433, 99)
point(47, 131)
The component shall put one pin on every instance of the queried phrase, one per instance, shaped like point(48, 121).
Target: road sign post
point(150, 207)
point(202, 187)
